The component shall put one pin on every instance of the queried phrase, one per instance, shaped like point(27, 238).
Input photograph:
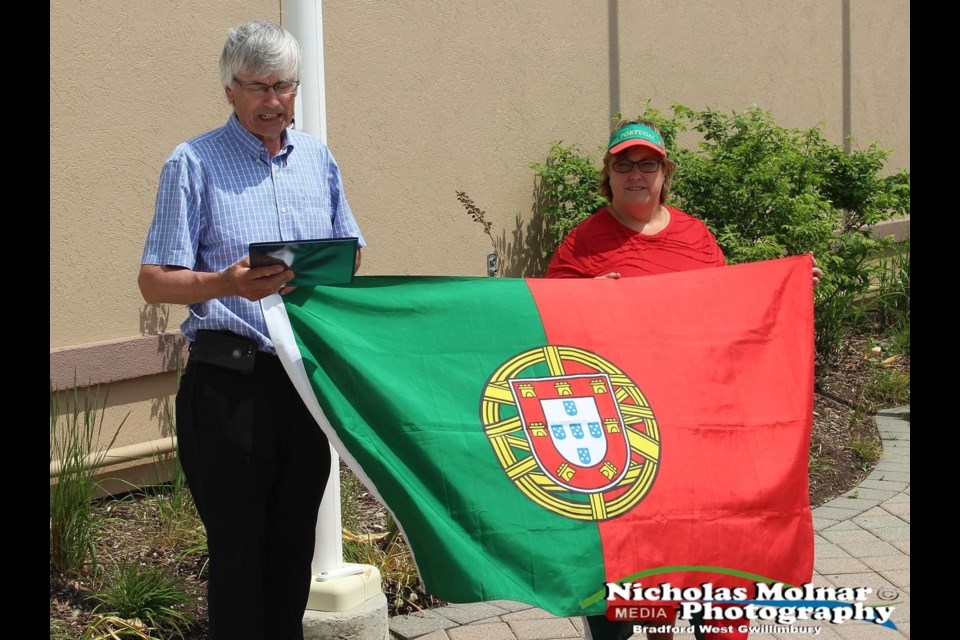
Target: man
point(255, 459)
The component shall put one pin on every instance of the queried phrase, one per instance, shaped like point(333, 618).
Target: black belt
point(227, 350)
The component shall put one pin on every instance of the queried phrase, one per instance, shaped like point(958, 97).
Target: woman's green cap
point(633, 135)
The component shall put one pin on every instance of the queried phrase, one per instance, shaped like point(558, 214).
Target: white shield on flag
point(574, 425)
point(575, 430)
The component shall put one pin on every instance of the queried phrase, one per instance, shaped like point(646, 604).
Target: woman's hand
point(817, 271)
point(817, 274)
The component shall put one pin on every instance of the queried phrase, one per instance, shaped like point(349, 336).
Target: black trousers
point(257, 465)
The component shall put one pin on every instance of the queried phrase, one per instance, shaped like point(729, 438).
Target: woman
point(636, 234)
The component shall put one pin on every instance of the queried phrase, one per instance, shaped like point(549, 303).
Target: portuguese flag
point(536, 439)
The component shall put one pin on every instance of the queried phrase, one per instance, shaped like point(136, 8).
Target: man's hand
point(613, 275)
point(256, 283)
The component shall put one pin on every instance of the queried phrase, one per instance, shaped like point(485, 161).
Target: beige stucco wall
point(880, 82)
point(423, 99)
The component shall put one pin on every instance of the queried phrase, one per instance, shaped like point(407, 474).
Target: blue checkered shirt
point(221, 191)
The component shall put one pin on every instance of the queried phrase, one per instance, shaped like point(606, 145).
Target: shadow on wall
point(154, 320)
point(526, 253)
point(527, 250)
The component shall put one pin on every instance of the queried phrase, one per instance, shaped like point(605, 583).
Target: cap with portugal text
point(633, 135)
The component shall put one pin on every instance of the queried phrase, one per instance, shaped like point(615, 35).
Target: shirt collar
point(251, 144)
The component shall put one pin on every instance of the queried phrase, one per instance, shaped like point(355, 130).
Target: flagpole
point(305, 22)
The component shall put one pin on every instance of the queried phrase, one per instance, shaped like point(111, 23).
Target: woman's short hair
point(259, 48)
point(669, 166)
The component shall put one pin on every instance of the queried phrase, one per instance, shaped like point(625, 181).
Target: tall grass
point(386, 550)
point(58, 629)
point(181, 527)
point(834, 313)
point(887, 388)
point(886, 306)
point(892, 302)
point(900, 336)
point(392, 557)
point(867, 449)
point(76, 427)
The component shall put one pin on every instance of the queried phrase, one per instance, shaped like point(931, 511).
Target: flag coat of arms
point(536, 439)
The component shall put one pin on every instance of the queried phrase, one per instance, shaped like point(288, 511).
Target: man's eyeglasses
point(626, 166)
point(283, 88)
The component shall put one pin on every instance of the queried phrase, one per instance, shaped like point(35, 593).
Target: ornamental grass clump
point(145, 594)
point(76, 427)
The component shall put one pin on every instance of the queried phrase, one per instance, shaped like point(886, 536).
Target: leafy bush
point(769, 191)
point(568, 184)
point(766, 192)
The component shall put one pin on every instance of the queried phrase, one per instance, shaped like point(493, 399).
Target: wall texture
point(423, 99)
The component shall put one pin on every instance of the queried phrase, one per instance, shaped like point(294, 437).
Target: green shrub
point(567, 188)
point(766, 192)
point(770, 191)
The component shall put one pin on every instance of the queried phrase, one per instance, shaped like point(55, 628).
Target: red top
point(600, 244)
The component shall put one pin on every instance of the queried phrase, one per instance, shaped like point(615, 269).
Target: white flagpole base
point(343, 589)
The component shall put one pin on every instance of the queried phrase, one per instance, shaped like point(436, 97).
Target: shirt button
point(283, 209)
